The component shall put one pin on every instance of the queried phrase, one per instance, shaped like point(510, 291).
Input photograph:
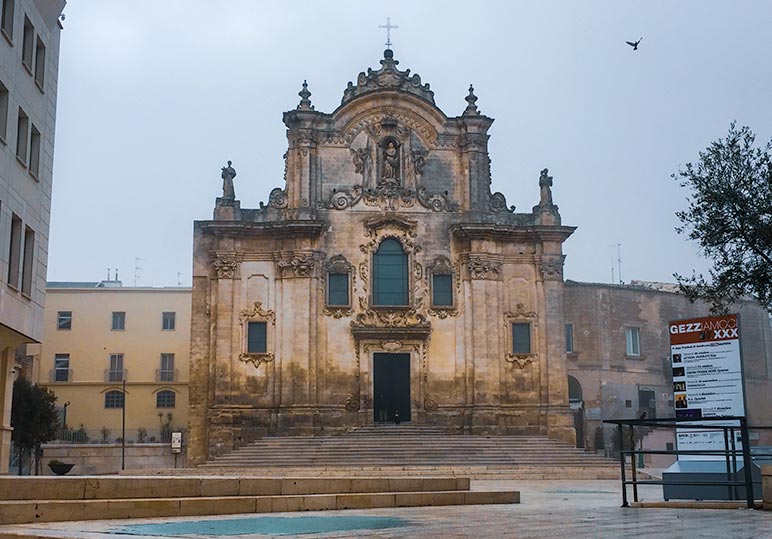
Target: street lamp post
point(123, 426)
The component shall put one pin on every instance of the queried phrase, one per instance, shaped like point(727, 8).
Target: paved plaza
point(569, 509)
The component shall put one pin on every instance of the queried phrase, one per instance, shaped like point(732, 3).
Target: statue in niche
point(390, 163)
point(362, 163)
point(545, 183)
point(228, 173)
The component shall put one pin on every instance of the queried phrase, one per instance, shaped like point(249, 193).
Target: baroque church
point(384, 282)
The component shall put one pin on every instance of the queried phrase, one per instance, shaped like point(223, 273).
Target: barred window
point(114, 399)
point(165, 399)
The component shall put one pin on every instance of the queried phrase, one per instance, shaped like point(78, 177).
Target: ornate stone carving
point(400, 123)
point(363, 163)
point(256, 314)
point(341, 199)
point(388, 76)
point(337, 312)
point(278, 198)
point(338, 264)
point(256, 359)
point(417, 161)
point(430, 403)
point(441, 313)
point(435, 201)
point(498, 204)
point(552, 268)
point(521, 360)
point(352, 402)
point(225, 266)
point(391, 346)
point(483, 268)
point(390, 318)
point(520, 313)
point(301, 265)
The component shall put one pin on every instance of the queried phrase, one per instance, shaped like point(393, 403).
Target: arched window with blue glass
point(390, 275)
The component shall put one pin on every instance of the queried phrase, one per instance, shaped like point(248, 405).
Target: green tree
point(730, 216)
point(33, 417)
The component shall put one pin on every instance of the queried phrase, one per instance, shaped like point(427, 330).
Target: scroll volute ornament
point(225, 266)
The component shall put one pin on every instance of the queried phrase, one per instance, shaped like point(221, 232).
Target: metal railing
point(105, 435)
point(167, 375)
point(626, 436)
point(116, 375)
point(60, 375)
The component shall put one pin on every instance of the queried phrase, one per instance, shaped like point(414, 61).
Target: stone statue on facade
point(228, 173)
point(545, 184)
point(391, 162)
point(362, 163)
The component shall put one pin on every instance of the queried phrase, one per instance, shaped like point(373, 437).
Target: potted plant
point(59, 467)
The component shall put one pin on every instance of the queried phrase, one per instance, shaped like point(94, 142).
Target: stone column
point(560, 418)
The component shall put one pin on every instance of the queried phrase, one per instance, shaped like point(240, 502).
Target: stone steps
point(404, 447)
point(90, 498)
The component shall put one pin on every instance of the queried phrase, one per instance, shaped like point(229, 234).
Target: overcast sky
point(154, 97)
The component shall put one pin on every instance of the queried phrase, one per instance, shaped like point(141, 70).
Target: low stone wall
point(97, 459)
point(766, 486)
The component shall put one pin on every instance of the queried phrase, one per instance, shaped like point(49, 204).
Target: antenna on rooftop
point(137, 270)
point(619, 262)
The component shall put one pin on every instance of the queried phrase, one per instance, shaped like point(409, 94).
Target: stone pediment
point(390, 77)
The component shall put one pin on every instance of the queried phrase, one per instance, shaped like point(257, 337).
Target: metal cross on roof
point(388, 26)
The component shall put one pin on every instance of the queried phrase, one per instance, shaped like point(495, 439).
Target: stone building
point(618, 354)
point(384, 279)
point(29, 64)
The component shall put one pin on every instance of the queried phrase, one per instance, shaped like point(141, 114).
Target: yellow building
point(98, 335)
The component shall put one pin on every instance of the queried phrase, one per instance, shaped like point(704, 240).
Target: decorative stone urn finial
point(471, 99)
point(305, 103)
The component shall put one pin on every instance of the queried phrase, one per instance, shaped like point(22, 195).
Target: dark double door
point(391, 387)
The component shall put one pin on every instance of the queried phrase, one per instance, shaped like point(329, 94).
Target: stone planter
point(61, 468)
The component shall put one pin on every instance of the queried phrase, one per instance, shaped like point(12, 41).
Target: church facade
point(384, 282)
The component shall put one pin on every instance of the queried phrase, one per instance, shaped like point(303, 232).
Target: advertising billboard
point(707, 378)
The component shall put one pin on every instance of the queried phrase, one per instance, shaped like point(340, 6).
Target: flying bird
point(634, 44)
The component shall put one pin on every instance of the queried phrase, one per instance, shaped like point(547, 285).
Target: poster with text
point(707, 380)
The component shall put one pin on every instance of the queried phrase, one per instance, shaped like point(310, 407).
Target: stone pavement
point(565, 509)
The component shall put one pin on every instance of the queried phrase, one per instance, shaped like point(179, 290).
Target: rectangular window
point(22, 128)
point(166, 373)
point(6, 24)
point(3, 112)
point(14, 255)
point(569, 338)
point(256, 337)
point(27, 44)
point(28, 262)
point(34, 152)
point(442, 290)
point(119, 320)
point(115, 373)
point(168, 320)
point(64, 320)
point(61, 367)
point(633, 345)
point(337, 289)
point(521, 338)
point(40, 63)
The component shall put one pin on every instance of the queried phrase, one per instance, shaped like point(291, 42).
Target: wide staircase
point(416, 450)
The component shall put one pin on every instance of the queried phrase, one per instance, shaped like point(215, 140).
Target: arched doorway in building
point(576, 402)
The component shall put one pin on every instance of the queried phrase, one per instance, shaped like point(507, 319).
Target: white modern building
point(29, 63)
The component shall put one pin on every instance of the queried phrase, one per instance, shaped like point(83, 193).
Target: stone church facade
point(385, 279)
